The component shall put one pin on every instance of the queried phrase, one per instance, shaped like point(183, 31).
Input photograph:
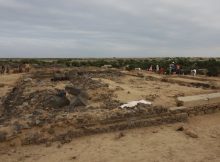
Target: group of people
point(172, 69)
point(5, 69)
point(158, 69)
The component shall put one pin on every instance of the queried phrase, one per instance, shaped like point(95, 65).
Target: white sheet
point(134, 103)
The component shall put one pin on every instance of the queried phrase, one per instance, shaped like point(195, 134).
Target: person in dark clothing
point(2, 69)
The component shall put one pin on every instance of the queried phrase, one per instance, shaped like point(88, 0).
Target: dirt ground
point(7, 82)
point(129, 88)
point(27, 118)
point(153, 144)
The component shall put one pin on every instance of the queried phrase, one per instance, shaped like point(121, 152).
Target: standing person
point(173, 68)
point(27, 67)
point(7, 69)
point(193, 72)
point(178, 69)
point(2, 69)
point(151, 68)
point(157, 68)
point(170, 69)
point(20, 68)
point(161, 70)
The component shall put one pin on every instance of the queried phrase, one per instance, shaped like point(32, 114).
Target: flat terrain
point(50, 115)
point(129, 88)
point(153, 144)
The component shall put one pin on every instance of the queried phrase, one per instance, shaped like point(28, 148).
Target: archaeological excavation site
point(46, 106)
point(110, 81)
point(46, 109)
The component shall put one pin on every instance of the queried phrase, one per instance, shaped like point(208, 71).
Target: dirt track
point(153, 144)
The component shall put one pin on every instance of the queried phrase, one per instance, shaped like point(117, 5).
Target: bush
point(213, 71)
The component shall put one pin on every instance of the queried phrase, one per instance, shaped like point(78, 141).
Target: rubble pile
point(77, 97)
point(85, 82)
point(75, 74)
point(55, 99)
point(112, 104)
point(56, 114)
point(14, 98)
point(17, 104)
point(60, 77)
point(100, 74)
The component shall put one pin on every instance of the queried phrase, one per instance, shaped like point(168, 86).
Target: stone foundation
point(173, 115)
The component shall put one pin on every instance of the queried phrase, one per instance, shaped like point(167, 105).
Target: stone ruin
point(60, 115)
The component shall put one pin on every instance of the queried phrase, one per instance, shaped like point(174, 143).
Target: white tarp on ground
point(134, 103)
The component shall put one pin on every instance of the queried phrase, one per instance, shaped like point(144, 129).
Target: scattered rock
point(111, 104)
point(28, 79)
point(78, 101)
point(25, 104)
point(60, 77)
point(36, 113)
point(120, 135)
point(155, 131)
point(188, 131)
point(17, 127)
point(51, 131)
point(2, 85)
point(73, 91)
point(180, 95)
point(32, 138)
point(73, 158)
point(180, 128)
point(27, 116)
point(38, 122)
point(151, 97)
point(213, 136)
point(56, 101)
point(66, 139)
point(215, 133)
point(12, 144)
point(118, 88)
point(191, 133)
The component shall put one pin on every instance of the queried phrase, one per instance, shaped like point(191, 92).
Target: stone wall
point(196, 100)
point(140, 116)
point(173, 115)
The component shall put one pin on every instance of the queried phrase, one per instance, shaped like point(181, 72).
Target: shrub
point(213, 71)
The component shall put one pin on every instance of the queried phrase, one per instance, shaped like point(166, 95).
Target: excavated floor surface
point(34, 109)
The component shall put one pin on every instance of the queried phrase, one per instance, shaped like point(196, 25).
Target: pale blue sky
point(109, 28)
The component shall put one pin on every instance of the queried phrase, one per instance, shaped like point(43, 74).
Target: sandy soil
point(130, 88)
point(7, 82)
point(152, 144)
point(127, 88)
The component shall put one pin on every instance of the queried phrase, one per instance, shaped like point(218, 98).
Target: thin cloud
point(109, 28)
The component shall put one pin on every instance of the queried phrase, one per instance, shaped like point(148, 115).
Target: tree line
point(212, 65)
